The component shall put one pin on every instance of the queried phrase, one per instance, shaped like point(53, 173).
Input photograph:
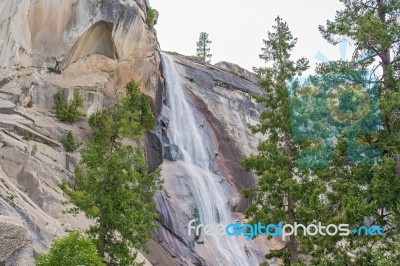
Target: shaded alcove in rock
point(96, 40)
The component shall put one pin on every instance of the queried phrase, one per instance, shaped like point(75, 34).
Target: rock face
point(94, 47)
point(16, 248)
point(223, 95)
point(237, 70)
point(54, 34)
point(90, 47)
point(225, 108)
point(40, 32)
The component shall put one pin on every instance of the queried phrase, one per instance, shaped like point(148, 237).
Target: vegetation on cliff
point(203, 47)
point(65, 111)
point(151, 17)
point(73, 249)
point(69, 141)
point(112, 185)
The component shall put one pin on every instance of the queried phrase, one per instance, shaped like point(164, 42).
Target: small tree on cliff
point(112, 185)
point(203, 47)
point(278, 192)
point(73, 249)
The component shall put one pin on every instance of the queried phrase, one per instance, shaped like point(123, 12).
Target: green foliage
point(173, 53)
point(11, 197)
point(274, 163)
point(28, 136)
point(34, 149)
point(113, 186)
point(203, 47)
point(71, 250)
point(358, 191)
point(68, 112)
point(69, 141)
point(191, 79)
point(151, 17)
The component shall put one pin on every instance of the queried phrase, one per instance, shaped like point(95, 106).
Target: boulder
point(172, 152)
point(15, 242)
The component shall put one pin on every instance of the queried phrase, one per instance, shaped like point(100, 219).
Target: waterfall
point(188, 133)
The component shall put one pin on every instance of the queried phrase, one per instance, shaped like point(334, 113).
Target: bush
point(151, 17)
point(34, 149)
point(69, 141)
point(173, 53)
point(28, 136)
point(68, 112)
point(73, 249)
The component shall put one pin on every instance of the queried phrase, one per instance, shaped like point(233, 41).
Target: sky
point(237, 28)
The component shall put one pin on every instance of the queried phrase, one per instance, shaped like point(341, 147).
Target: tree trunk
point(385, 54)
point(102, 219)
point(102, 236)
point(204, 50)
point(292, 242)
point(386, 61)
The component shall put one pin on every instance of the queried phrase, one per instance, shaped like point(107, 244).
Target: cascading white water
point(212, 203)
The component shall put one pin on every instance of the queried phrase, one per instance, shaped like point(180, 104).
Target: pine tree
point(359, 192)
point(68, 112)
point(278, 192)
point(69, 141)
point(203, 47)
point(374, 27)
point(112, 184)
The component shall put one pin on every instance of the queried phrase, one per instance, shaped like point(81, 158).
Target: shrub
point(28, 136)
point(68, 112)
point(73, 249)
point(151, 17)
point(69, 141)
point(34, 149)
point(173, 53)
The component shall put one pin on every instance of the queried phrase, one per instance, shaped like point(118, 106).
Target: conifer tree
point(370, 193)
point(203, 47)
point(278, 193)
point(113, 186)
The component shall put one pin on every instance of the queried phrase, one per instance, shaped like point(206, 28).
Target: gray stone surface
point(171, 152)
point(90, 47)
point(15, 242)
point(94, 48)
point(226, 97)
point(222, 100)
point(237, 70)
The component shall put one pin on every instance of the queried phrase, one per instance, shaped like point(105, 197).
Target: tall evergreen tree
point(112, 184)
point(203, 47)
point(278, 192)
point(374, 28)
point(365, 194)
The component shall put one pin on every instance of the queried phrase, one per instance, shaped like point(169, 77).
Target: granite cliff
point(94, 48)
point(84, 46)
